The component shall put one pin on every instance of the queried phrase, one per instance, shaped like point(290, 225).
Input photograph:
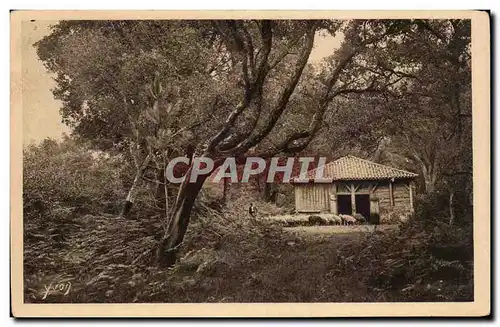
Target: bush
point(435, 205)
point(69, 237)
point(420, 262)
point(112, 260)
point(69, 175)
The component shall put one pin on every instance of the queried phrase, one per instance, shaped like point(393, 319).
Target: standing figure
point(252, 210)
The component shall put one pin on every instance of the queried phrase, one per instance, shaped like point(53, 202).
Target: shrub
point(419, 262)
point(68, 174)
point(112, 260)
point(435, 205)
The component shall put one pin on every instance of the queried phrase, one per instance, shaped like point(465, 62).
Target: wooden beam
point(353, 199)
point(333, 199)
point(374, 206)
point(373, 188)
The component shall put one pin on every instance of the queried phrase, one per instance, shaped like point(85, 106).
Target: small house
point(352, 185)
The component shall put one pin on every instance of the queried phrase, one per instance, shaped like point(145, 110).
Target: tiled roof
point(354, 168)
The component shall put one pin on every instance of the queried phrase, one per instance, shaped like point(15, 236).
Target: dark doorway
point(344, 204)
point(363, 205)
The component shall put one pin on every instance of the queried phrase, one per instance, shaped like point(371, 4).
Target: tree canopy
point(397, 90)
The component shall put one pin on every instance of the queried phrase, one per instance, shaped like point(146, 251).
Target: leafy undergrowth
point(109, 259)
point(76, 250)
point(239, 259)
point(229, 256)
point(419, 262)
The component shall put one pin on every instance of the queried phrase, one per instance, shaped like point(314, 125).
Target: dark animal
point(252, 210)
point(360, 218)
point(316, 220)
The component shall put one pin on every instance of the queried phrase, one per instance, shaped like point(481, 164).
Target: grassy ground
point(291, 268)
point(328, 231)
point(72, 237)
point(269, 264)
point(227, 259)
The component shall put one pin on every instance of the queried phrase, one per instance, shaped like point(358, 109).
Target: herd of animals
point(356, 219)
point(330, 219)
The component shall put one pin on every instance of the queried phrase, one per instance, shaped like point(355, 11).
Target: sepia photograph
point(260, 158)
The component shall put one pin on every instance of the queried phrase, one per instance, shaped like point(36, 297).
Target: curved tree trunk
point(430, 181)
point(429, 172)
point(171, 241)
point(174, 236)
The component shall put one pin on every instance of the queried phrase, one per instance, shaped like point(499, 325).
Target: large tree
point(423, 121)
point(143, 83)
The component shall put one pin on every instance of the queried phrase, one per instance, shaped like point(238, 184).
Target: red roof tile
point(354, 168)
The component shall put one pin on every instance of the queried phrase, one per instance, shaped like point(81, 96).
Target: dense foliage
point(227, 256)
point(138, 93)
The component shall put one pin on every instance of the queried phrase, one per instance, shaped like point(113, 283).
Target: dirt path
point(334, 231)
point(301, 266)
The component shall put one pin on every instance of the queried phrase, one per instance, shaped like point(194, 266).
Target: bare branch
point(285, 52)
point(290, 145)
point(285, 95)
point(253, 88)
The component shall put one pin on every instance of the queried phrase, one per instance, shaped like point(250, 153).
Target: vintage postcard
point(250, 163)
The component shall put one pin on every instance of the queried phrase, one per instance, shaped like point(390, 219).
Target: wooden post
point(374, 211)
point(333, 199)
point(353, 199)
point(297, 198)
point(333, 204)
point(391, 194)
point(374, 206)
